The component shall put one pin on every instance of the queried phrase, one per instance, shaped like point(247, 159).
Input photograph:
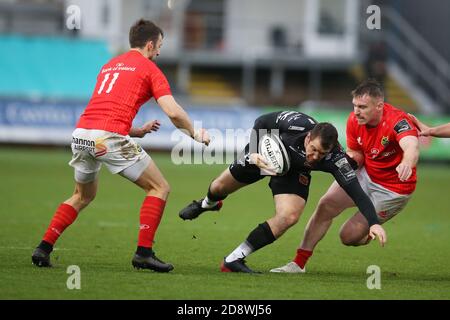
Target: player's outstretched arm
point(365, 206)
point(346, 177)
point(442, 131)
point(361, 200)
point(181, 120)
point(148, 127)
point(410, 147)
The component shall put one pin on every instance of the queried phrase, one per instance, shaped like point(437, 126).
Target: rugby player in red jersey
point(102, 136)
point(383, 141)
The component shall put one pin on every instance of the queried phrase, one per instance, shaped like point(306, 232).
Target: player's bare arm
point(442, 131)
point(148, 127)
point(410, 147)
point(357, 156)
point(181, 120)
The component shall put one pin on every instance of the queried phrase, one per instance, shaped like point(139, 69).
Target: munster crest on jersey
point(385, 141)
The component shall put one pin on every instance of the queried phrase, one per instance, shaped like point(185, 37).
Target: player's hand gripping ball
point(272, 149)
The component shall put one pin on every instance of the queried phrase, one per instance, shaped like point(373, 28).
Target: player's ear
point(149, 46)
point(380, 104)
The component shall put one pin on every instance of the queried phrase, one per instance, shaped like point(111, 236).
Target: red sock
point(302, 257)
point(64, 216)
point(150, 216)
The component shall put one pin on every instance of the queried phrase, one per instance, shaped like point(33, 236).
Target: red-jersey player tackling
point(383, 141)
point(102, 136)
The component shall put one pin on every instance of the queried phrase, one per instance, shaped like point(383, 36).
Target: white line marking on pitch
point(29, 248)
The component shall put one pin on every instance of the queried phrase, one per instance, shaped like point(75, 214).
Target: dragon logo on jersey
point(303, 179)
point(385, 141)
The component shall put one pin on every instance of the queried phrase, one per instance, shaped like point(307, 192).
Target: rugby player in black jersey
point(311, 146)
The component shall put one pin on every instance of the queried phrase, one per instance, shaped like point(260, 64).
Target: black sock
point(47, 247)
point(214, 197)
point(144, 252)
point(260, 236)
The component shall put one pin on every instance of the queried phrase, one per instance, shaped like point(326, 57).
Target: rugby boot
point(236, 266)
point(151, 262)
point(40, 258)
point(195, 209)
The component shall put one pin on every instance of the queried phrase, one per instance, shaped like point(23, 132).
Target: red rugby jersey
point(382, 152)
point(124, 84)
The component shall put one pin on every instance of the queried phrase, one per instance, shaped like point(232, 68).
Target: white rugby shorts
point(387, 203)
point(120, 154)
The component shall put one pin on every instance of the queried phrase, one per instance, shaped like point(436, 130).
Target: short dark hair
point(370, 87)
point(143, 31)
point(327, 133)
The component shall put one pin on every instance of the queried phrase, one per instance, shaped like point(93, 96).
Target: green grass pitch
point(415, 264)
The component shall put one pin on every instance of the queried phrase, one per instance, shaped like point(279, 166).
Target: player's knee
point(347, 237)
point(346, 241)
point(292, 219)
point(164, 187)
point(288, 219)
point(218, 187)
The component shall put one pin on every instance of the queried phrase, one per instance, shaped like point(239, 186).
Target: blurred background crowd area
point(257, 54)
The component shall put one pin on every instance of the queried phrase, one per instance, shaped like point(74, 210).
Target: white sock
point(208, 204)
point(240, 252)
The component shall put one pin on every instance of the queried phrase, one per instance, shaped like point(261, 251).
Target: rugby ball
point(272, 149)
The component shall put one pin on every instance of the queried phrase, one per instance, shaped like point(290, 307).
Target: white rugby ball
point(272, 149)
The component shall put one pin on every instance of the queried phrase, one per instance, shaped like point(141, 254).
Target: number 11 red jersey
point(124, 84)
